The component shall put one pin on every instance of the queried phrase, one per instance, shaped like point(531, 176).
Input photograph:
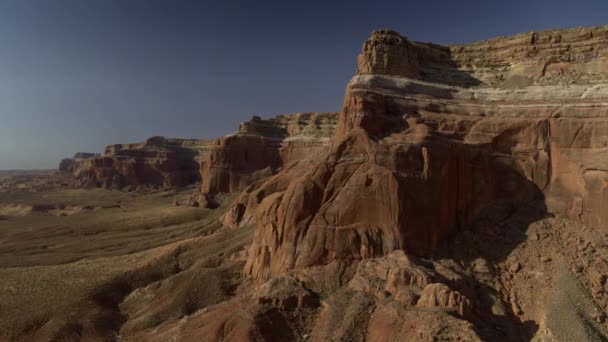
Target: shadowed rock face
point(67, 165)
point(427, 143)
point(155, 162)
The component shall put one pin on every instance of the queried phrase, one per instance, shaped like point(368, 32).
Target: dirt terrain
point(68, 257)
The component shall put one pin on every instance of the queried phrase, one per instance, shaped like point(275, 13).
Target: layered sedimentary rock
point(431, 139)
point(569, 56)
point(260, 147)
point(228, 164)
point(67, 165)
point(156, 162)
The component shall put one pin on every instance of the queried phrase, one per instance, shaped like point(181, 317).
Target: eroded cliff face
point(260, 147)
point(228, 164)
point(552, 57)
point(67, 165)
point(156, 162)
point(427, 143)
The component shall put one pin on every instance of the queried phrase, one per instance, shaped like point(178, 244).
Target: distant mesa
point(67, 165)
point(257, 149)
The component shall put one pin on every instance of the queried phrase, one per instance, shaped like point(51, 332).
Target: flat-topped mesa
point(67, 165)
point(260, 127)
point(156, 162)
point(387, 52)
point(575, 45)
point(257, 149)
point(261, 146)
point(157, 143)
point(291, 126)
point(85, 155)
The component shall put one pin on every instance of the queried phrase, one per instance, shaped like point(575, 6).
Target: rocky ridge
point(429, 159)
point(67, 165)
point(257, 149)
point(157, 162)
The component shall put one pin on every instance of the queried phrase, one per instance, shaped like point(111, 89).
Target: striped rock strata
point(227, 164)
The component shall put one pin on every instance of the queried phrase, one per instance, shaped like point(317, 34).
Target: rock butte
point(260, 147)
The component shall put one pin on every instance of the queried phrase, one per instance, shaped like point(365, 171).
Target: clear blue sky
point(76, 75)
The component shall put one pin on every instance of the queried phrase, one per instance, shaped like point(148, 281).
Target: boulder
point(441, 296)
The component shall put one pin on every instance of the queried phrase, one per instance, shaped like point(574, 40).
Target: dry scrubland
point(65, 272)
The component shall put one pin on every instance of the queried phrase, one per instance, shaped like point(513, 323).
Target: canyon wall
point(228, 164)
point(432, 138)
point(156, 162)
point(260, 147)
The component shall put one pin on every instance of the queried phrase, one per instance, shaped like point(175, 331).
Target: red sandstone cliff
point(228, 164)
point(418, 155)
point(260, 147)
point(155, 162)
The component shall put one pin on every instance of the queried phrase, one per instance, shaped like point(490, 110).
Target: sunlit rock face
point(430, 139)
